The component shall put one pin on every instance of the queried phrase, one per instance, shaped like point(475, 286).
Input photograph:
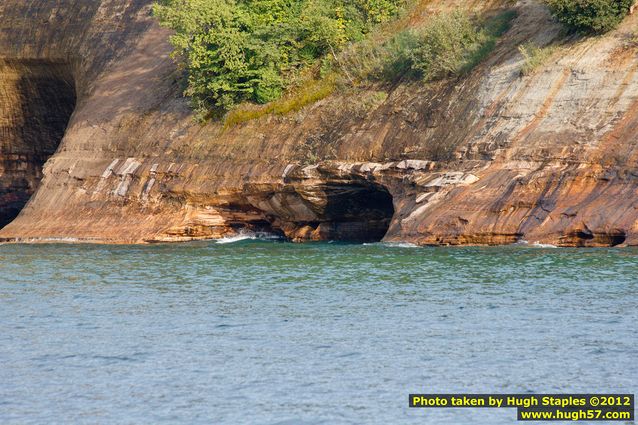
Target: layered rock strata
point(494, 157)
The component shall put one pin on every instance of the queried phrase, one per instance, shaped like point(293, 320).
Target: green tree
point(590, 16)
point(246, 50)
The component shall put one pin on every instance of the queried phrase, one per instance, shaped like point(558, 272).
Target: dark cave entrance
point(362, 213)
point(38, 98)
point(358, 212)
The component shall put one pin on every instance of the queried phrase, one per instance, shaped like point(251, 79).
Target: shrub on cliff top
point(448, 44)
point(590, 16)
point(250, 50)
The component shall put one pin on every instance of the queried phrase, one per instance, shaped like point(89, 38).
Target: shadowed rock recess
point(38, 99)
point(493, 157)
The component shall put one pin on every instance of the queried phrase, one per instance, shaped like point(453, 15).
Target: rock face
point(494, 157)
point(38, 99)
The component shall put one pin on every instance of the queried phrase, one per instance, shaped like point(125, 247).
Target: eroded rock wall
point(491, 158)
point(38, 98)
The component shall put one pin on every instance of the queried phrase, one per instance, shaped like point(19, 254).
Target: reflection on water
point(272, 333)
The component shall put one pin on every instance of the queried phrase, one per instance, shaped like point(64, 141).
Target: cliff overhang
point(98, 138)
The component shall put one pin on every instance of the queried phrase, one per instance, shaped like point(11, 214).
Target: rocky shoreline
point(492, 158)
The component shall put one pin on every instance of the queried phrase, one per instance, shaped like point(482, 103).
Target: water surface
point(261, 332)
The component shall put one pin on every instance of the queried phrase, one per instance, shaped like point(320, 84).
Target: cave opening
point(38, 99)
point(362, 213)
point(617, 238)
point(353, 212)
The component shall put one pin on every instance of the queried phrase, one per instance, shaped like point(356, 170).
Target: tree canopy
point(590, 16)
point(249, 50)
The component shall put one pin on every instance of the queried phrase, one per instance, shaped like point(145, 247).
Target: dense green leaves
point(249, 50)
point(448, 44)
point(590, 16)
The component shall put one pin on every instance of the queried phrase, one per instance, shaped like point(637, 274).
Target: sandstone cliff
point(491, 158)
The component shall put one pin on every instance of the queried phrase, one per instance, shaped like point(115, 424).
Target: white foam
point(233, 239)
point(393, 244)
point(536, 244)
point(543, 245)
point(245, 235)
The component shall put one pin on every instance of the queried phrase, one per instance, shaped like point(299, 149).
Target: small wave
point(401, 245)
point(393, 244)
point(243, 236)
point(543, 245)
point(233, 239)
point(536, 244)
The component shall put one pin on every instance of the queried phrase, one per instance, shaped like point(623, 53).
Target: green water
point(262, 332)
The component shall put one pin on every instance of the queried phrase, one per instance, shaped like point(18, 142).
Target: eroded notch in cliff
point(38, 98)
point(343, 211)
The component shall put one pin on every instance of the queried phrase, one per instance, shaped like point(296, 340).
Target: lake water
point(263, 332)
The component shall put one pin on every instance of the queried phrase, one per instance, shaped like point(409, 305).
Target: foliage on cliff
point(250, 50)
point(590, 16)
point(447, 44)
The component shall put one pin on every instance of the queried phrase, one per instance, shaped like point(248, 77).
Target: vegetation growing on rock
point(590, 16)
point(287, 54)
point(250, 50)
point(448, 44)
point(534, 56)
